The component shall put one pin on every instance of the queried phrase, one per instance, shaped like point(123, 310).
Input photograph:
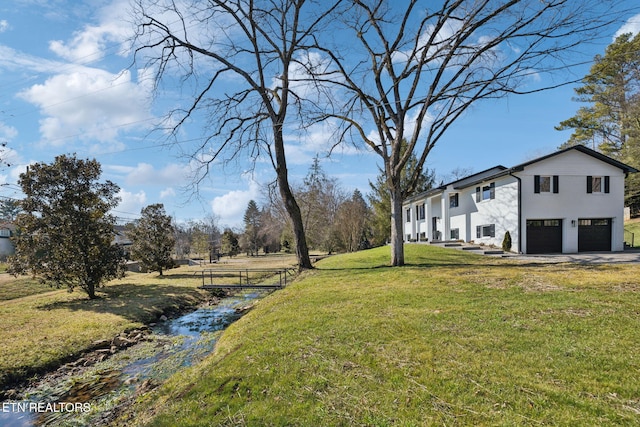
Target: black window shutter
point(478, 231)
point(556, 182)
point(606, 184)
point(536, 184)
point(477, 194)
point(492, 190)
point(589, 184)
point(492, 230)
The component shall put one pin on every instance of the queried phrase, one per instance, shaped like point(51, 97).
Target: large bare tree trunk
point(302, 251)
point(397, 234)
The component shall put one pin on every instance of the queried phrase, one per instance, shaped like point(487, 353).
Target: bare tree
point(412, 68)
point(239, 57)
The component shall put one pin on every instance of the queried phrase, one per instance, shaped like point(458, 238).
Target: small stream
point(89, 397)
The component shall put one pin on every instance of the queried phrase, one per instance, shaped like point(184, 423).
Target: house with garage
point(566, 202)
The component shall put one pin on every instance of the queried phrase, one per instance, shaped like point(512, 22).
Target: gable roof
point(459, 183)
point(583, 149)
point(588, 151)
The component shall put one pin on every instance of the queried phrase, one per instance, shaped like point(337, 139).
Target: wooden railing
point(255, 278)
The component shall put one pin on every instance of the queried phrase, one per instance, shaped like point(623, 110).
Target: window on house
point(408, 215)
point(486, 192)
point(488, 230)
point(546, 184)
point(598, 184)
point(455, 234)
point(420, 212)
point(5, 232)
point(453, 200)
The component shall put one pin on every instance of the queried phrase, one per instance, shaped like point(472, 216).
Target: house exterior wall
point(415, 229)
point(572, 202)
point(515, 201)
point(501, 212)
point(6, 247)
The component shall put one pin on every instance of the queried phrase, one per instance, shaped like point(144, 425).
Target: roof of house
point(498, 171)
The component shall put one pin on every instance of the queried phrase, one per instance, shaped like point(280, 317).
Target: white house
point(566, 202)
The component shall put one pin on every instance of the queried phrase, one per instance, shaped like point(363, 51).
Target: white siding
point(572, 202)
point(501, 212)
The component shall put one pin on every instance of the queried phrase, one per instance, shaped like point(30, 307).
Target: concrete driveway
point(626, 257)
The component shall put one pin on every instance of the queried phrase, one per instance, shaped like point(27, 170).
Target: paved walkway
point(629, 256)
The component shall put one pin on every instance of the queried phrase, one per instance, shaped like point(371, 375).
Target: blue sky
point(66, 86)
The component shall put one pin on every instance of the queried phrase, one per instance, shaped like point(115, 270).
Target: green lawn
point(42, 330)
point(451, 339)
point(632, 232)
point(43, 327)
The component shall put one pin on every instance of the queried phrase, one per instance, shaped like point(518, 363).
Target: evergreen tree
point(609, 123)
point(252, 227)
point(319, 200)
point(351, 226)
point(9, 209)
point(153, 238)
point(65, 230)
point(229, 243)
point(380, 199)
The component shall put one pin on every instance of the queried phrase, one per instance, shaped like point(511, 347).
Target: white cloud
point(13, 60)
point(93, 42)
point(167, 192)
point(7, 133)
point(631, 26)
point(88, 104)
point(147, 174)
point(131, 203)
point(436, 47)
point(231, 206)
point(4, 25)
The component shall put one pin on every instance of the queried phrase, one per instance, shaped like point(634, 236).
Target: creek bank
point(117, 371)
point(100, 350)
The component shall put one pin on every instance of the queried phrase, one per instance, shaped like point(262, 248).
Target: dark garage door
point(544, 236)
point(594, 234)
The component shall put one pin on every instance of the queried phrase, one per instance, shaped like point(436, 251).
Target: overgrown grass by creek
point(45, 327)
point(450, 339)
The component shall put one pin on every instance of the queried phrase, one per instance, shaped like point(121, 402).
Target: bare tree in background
point(412, 68)
point(238, 57)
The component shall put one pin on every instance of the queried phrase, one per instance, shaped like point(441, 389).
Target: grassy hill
point(451, 339)
point(632, 232)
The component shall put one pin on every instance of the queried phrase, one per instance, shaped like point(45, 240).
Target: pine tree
point(609, 123)
point(380, 199)
point(252, 227)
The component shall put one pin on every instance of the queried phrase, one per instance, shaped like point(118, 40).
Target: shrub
point(506, 242)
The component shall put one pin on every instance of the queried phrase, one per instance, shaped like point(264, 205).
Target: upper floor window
point(453, 200)
point(420, 212)
point(546, 184)
point(408, 214)
point(598, 184)
point(486, 192)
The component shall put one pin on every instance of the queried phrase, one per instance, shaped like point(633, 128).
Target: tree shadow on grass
point(142, 303)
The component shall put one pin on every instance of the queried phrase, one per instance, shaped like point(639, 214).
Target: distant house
point(120, 236)
point(7, 230)
point(566, 202)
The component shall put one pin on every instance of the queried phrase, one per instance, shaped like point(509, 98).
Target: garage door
point(544, 236)
point(594, 234)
